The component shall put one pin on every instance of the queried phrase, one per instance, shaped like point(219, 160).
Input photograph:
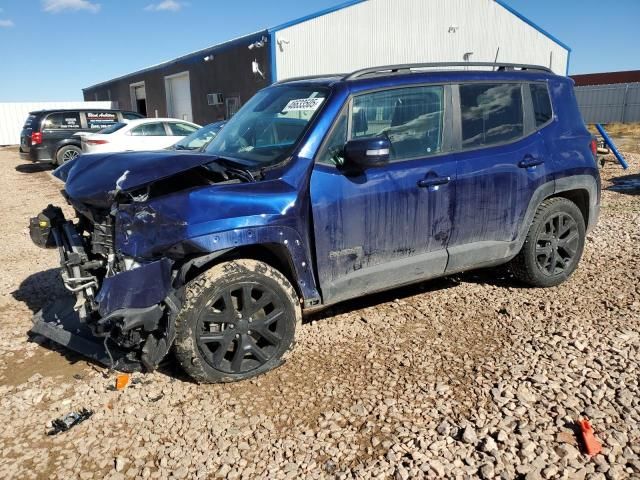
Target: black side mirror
point(367, 152)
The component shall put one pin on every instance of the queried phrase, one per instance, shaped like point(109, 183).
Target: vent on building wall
point(215, 99)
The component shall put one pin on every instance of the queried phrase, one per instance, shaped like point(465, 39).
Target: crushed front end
point(119, 311)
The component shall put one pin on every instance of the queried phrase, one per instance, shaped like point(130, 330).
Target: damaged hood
point(97, 178)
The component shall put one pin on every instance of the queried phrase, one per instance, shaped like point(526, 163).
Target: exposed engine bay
point(129, 303)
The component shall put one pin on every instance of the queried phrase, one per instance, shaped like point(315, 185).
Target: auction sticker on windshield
point(303, 104)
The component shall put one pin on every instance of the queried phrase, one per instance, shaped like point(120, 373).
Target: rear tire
point(238, 321)
point(67, 153)
point(553, 246)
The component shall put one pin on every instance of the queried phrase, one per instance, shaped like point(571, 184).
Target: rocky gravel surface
point(467, 377)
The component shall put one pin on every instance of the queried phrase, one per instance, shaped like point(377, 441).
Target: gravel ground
point(465, 377)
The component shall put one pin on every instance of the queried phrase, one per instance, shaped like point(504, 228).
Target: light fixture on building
point(255, 67)
point(209, 58)
point(259, 44)
point(282, 41)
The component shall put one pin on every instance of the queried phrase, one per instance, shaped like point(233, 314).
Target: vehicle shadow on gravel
point(41, 288)
point(627, 184)
point(34, 167)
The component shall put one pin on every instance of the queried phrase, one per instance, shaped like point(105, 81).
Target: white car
point(138, 135)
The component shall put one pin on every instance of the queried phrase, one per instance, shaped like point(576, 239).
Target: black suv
point(49, 135)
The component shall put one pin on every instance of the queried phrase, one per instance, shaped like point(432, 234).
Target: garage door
point(179, 96)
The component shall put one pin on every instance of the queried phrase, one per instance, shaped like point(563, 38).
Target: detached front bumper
point(125, 315)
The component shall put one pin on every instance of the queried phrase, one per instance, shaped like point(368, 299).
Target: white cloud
point(6, 23)
point(165, 5)
point(57, 6)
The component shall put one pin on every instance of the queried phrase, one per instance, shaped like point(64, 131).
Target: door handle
point(530, 161)
point(433, 182)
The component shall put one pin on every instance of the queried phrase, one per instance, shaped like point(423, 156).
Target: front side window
point(267, 129)
point(181, 129)
point(411, 118)
point(63, 121)
point(541, 103)
point(491, 114)
point(149, 130)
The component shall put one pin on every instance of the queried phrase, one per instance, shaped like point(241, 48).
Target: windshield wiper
point(236, 168)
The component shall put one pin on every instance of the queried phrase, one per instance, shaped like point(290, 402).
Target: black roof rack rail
point(408, 67)
point(309, 77)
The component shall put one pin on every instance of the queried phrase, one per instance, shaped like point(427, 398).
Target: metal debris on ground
point(69, 421)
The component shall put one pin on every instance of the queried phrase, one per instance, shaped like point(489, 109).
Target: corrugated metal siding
point(610, 103)
point(13, 115)
point(379, 32)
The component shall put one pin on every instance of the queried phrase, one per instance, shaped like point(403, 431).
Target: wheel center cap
point(242, 326)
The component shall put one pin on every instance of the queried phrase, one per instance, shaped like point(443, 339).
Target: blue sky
point(51, 49)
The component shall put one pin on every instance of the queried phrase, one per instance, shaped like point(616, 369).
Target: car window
point(97, 120)
point(332, 151)
point(411, 118)
point(113, 128)
point(491, 114)
point(541, 103)
point(131, 116)
point(181, 129)
point(149, 130)
point(63, 121)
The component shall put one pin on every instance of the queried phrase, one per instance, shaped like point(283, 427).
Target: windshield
point(113, 128)
point(200, 138)
point(267, 129)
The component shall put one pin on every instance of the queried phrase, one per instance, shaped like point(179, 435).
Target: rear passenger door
point(149, 136)
point(500, 167)
point(388, 225)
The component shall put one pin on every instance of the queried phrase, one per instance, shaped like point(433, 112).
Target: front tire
point(238, 321)
point(67, 153)
point(554, 244)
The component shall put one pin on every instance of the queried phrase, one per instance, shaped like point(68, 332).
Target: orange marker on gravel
point(122, 381)
point(591, 445)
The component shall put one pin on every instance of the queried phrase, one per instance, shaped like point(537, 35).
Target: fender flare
point(216, 245)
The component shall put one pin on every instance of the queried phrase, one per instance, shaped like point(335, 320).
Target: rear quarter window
point(63, 121)
point(491, 114)
point(541, 103)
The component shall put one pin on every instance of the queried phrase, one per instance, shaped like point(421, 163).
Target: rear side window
point(98, 120)
point(541, 103)
point(491, 114)
point(411, 118)
point(149, 130)
point(63, 121)
point(181, 129)
point(29, 121)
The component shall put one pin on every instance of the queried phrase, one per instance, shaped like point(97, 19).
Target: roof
point(208, 50)
point(607, 78)
point(351, 3)
point(271, 31)
point(358, 84)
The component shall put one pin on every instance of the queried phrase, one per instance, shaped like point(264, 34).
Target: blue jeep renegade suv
point(320, 189)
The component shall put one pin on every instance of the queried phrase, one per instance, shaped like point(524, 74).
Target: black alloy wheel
point(557, 244)
point(242, 328)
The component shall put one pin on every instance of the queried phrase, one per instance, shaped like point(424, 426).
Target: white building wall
point(383, 32)
point(13, 115)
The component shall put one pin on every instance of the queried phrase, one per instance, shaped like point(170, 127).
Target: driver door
point(389, 225)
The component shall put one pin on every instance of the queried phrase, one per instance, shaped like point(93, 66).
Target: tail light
point(594, 147)
point(36, 138)
point(95, 142)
